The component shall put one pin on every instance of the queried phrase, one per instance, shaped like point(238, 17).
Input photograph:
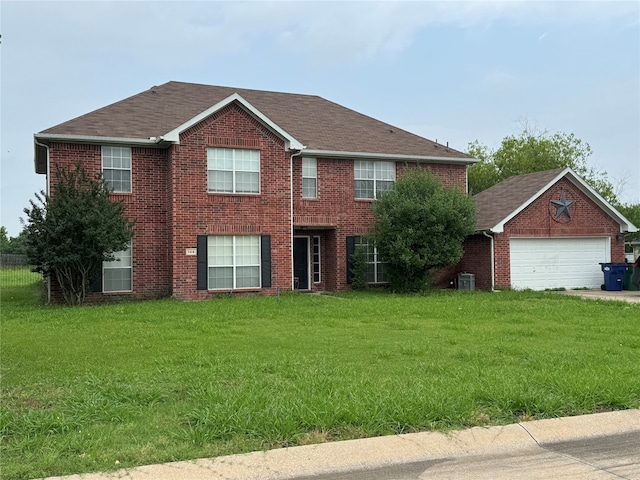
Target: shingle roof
point(318, 123)
point(497, 203)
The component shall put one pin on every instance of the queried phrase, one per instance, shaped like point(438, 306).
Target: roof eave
point(41, 141)
point(625, 224)
point(388, 156)
point(48, 138)
point(290, 142)
point(495, 229)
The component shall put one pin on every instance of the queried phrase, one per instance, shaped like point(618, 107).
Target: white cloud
point(185, 32)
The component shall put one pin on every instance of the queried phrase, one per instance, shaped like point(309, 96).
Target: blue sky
point(451, 71)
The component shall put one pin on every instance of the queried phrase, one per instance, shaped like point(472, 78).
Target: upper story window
point(309, 178)
point(373, 178)
point(233, 170)
point(116, 168)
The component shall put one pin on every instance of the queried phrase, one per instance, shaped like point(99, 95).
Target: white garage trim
point(559, 262)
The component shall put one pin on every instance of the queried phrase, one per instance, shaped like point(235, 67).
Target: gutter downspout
point(48, 191)
point(493, 273)
point(294, 154)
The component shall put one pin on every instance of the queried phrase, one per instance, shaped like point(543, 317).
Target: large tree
point(14, 245)
point(5, 244)
point(532, 151)
point(420, 225)
point(632, 213)
point(70, 233)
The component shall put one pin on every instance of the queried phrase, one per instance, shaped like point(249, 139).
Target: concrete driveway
point(623, 296)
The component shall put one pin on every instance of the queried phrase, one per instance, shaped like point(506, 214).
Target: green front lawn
point(112, 386)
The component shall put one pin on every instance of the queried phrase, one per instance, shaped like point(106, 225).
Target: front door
point(301, 263)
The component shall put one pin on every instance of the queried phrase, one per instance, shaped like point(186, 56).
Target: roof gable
point(499, 204)
point(174, 135)
point(303, 120)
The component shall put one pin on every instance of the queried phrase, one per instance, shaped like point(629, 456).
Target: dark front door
point(301, 263)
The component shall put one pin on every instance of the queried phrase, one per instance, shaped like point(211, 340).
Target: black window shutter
point(351, 249)
point(203, 270)
point(96, 284)
point(265, 265)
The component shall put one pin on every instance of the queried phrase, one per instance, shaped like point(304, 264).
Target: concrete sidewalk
point(331, 460)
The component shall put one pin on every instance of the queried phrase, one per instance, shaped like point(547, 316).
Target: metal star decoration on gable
point(562, 206)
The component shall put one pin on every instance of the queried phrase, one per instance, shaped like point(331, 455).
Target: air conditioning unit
point(466, 281)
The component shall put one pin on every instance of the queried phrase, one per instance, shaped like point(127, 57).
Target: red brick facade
point(171, 205)
point(336, 214)
point(147, 204)
point(195, 212)
point(476, 260)
point(538, 220)
point(172, 208)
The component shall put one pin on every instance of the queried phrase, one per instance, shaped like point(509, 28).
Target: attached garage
point(541, 231)
point(540, 263)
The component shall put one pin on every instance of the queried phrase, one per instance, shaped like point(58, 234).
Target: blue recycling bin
point(613, 276)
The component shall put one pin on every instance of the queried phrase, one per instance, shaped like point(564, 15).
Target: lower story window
point(233, 261)
point(376, 266)
point(117, 274)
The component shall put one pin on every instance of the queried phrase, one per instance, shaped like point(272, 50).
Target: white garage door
point(539, 263)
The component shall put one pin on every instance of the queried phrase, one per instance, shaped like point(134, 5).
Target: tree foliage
point(70, 233)
point(15, 245)
point(420, 225)
point(359, 269)
point(4, 240)
point(632, 213)
point(530, 152)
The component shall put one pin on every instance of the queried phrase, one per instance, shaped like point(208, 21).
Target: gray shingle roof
point(318, 123)
point(498, 202)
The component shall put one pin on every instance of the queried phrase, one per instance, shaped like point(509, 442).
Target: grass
point(105, 387)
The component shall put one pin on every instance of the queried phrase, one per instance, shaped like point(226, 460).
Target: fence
point(15, 270)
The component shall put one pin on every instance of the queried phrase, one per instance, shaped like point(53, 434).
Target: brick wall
point(537, 220)
point(477, 260)
point(171, 205)
point(337, 209)
point(195, 212)
point(452, 175)
point(147, 205)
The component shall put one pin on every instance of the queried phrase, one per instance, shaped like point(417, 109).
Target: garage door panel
point(540, 263)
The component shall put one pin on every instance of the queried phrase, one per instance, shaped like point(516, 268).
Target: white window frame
point(379, 173)
point(309, 177)
point(116, 264)
point(117, 159)
point(316, 259)
point(373, 261)
point(234, 264)
point(216, 163)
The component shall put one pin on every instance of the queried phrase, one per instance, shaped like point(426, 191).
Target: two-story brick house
point(239, 190)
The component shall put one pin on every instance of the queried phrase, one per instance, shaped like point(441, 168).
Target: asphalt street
point(607, 457)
